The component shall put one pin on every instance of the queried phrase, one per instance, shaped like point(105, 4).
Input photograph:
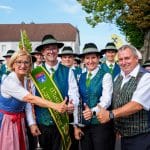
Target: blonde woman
point(14, 99)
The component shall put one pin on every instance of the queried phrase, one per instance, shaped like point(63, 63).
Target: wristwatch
point(111, 115)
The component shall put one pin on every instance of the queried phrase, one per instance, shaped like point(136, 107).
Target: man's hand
point(61, 107)
point(70, 107)
point(103, 115)
point(78, 133)
point(87, 113)
point(35, 130)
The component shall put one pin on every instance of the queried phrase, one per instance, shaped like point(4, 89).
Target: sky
point(57, 11)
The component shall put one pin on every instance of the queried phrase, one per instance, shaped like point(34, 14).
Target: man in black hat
point(4, 68)
point(77, 61)
point(110, 65)
point(67, 58)
point(65, 82)
point(38, 58)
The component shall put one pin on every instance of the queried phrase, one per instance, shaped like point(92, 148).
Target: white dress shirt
point(109, 63)
point(142, 93)
point(36, 65)
point(107, 89)
point(12, 87)
point(73, 91)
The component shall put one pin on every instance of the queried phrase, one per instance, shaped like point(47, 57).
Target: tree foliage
point(138, 13)
point(25, 42)
point(131, 16)
point(133, 34)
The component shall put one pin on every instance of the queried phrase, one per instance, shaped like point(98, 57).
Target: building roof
point(61, 31)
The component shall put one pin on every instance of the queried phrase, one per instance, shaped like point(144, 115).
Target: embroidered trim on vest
point(136, 123)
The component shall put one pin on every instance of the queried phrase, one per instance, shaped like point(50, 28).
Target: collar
point(72, 67)
point(108, 63)
point(48, 67)
point(133, 73)
point(35, 65)
point(94, 72)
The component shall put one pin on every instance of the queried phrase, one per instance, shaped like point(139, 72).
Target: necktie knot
point(52, 71)
point(89, 75)
point(88, 79)
point(111, 65)
point(111, 68)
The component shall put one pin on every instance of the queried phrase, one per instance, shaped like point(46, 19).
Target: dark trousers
point(50, 138)
point(138, 142)
point(98, 137)
point(74, 142)
point(32, 140)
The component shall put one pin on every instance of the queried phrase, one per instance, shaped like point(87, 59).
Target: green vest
point(91, 95)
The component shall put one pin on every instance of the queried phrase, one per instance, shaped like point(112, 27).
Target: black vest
point(134, 124)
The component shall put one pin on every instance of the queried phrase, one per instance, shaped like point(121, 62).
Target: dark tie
point(111, 68)
point(52, 71)
point(88, 79)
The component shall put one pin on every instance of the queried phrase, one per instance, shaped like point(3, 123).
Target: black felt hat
point(146, 63)
point(90, 48)
point(109, 46)
point(9, 53)
point(67, 50)
point(49, 40)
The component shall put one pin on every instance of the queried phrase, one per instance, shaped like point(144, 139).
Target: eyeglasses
point(50, 48)
point(19, 63)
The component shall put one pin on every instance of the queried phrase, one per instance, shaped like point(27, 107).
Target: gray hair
point(132, 48)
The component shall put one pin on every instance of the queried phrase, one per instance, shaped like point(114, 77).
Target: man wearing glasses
point(64, 80)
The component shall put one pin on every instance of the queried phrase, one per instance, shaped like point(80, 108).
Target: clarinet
point(38, 147)
point(80, 115)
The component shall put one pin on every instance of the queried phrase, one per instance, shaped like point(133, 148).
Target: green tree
point(25, 42)
point(134, 35)
point(131, 16)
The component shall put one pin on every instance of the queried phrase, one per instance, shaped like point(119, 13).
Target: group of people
point(66, 107)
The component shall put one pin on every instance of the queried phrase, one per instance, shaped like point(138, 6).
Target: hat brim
point(33, 53)
point(40, 47)
point(97, 53)
point(7, 56)
point(60, 55)
point(103, 51)
point(146, 65)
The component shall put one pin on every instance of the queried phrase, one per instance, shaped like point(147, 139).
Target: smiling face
point(127, 60)
point(50, 53)
point(22, 65)
point(91, 61)
point(110, 55)
point(67, 60)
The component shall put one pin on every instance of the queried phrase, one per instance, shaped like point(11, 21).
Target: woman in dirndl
point(15, 100)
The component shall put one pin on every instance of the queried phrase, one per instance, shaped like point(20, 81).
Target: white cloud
point(6, 8)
